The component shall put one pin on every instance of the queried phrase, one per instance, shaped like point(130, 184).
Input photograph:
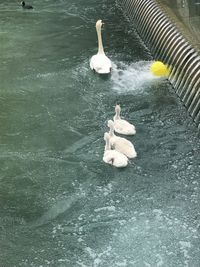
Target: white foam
point(160, 262)
point(109, 208)
point(97, 261)
point(90, 252)
point(81, 264)
point(184, 246)
point(147, 264)
point(134, 77)
point(122, 264)
point(105, 190)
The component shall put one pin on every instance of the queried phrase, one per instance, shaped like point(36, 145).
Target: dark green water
point(60, 205)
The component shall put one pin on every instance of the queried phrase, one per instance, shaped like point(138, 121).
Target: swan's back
point(115, 158)
point(120, 144)
point(100, 63)
point(124, 127)
point(124, 146)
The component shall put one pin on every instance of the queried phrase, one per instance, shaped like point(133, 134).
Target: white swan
point(113, 157)
point(121, 144)
point(100, 62)
point(122, 126)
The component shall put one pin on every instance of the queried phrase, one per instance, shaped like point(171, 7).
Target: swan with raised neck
point(99, 24)
point(122, 126)
point(100, 63)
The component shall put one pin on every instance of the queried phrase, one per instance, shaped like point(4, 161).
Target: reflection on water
point(60, 204)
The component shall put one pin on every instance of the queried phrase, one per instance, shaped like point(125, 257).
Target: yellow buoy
point(159, 69)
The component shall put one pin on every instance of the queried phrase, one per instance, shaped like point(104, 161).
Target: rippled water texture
point(60, 204)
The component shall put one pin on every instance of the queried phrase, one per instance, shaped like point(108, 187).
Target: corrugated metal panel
point(168, 45)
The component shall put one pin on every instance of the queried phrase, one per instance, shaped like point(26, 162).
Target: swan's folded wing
point(100, 63)
point(124, 127)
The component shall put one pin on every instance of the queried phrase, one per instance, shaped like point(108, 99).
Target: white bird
point(100, 63)
point(122, 126)
point(121, 144)
point(113, 157)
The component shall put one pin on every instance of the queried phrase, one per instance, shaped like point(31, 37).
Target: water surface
point(60, 204)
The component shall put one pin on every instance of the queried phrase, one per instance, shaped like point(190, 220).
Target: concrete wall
point(186, 15)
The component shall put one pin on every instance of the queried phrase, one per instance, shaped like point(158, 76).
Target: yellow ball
point(159, 69)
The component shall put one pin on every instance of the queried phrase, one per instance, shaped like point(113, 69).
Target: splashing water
point(135, 77)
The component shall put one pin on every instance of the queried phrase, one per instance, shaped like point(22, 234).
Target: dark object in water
point(26, 6)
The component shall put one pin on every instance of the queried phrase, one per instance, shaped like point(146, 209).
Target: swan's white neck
point(100, 43)
point(107, 146)
point(111, 132)
point(117, 115)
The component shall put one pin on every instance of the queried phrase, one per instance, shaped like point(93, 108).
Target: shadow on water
point(105, 77)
